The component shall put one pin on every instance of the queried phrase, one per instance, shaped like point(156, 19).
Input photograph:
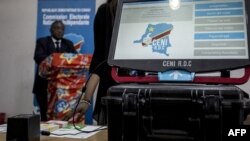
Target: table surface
point(100, 136)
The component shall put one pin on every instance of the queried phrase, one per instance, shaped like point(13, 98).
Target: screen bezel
point(161, 65)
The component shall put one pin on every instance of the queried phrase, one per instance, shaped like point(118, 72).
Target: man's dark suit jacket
point(44, 48)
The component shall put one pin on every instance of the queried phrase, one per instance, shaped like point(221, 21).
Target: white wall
point(99, 2)
point(17, 38)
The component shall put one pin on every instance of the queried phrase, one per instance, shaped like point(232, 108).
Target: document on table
point(3, 128)
point(73, 133)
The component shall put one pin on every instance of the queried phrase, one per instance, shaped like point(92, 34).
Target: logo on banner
point(69, 57)
point(78, 40)
point(157, 36)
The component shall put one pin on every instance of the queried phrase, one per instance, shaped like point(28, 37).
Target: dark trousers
point(42, 100)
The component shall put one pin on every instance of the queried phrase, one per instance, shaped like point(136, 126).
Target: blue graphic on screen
point(157, 36)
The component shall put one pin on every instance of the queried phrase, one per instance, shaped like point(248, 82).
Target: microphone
point(45, 133)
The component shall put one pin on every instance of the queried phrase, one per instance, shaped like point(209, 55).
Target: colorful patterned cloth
point(67, 75)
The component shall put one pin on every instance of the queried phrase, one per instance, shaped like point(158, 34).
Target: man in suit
point(45, 46)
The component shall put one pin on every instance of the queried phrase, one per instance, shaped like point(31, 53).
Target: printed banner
point(78, 17)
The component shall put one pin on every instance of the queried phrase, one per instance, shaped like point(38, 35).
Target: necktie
point(57, 46)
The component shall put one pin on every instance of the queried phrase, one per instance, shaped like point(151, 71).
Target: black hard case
point(156, 112)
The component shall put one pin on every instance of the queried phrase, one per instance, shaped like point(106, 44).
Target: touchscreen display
point(196, 30)
point(194, 35)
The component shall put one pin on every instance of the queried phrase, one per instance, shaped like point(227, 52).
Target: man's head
point(57, 29)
